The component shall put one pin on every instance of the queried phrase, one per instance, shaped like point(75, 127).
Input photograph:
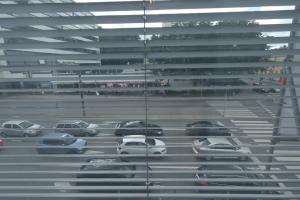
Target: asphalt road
point(250, 120)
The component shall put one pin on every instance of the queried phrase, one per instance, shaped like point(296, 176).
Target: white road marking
point(174, 167)
point(258, 122)
point(261, 140)
point(59, 185)
point(94, 152)
point(287, 158)
point(256, 128)
point(287, 152)
point(256, 131)
point(105, 134)
point(241, 116)
point(292, 167)
point(250, 125)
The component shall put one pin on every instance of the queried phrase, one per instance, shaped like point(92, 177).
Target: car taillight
point(203, 183)
point(199, 149)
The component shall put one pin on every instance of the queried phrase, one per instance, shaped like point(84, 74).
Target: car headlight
point(93, 131)
point(31, 131)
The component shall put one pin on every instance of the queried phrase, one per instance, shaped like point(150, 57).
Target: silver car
point(77, 128)
point(227, 147)
point(137, 144)
point(23, 128)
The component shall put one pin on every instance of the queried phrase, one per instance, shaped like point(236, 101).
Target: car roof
point(104, 164)
point(14, 121)
point(221, 167)
point(54, 135)
point(126, 123)
point(71, 121)
point(219, 140)
point(134, 138)
point(212, 122)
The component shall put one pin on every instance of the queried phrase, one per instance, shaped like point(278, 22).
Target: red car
point(1, 144)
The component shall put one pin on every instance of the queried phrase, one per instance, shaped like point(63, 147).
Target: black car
point(137, 128)
point(237, 182)
point(116, 174)
point(207, 128)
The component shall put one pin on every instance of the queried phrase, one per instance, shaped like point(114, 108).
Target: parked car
point(21, 128)
point(207, 128)
point(76, 128)
point(108, 168)
point(60, 143)
point(137, 128)
point(220, 146)
point(239, 179)
point(265, 89)
point(138, 144)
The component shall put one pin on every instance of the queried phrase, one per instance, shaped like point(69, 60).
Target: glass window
point(25, 124)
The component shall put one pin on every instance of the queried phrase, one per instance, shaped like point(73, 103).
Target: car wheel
point(3, 134)
point(123, 155)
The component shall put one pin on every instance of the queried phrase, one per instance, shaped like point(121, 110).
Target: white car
point(137, 144)
point(20, 128)
point(217, 146)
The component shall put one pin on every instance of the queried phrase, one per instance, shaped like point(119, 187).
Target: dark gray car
point(61, 143)
point(137, 128)
point(207, 128)
point(237, 182)
point(117, 173)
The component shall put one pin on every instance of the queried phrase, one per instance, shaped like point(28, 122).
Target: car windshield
point(26, 124)
point(83, 124)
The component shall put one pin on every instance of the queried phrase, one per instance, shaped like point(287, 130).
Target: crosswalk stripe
point(241, 116)
point(287, 152)
point(236, 110)
point(292, 167)
point(261, 140)
point(258, 122)
point(173, 167)
point(256, 131)
point(287, 158)
point(271, 125)
point(94, 152)
point(256, 128)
